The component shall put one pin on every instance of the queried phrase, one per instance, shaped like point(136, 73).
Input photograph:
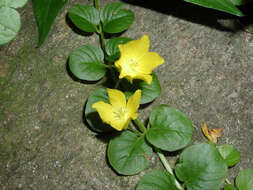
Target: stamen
point(120, 114)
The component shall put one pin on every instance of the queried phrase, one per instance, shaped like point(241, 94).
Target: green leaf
point(86, 63)
point(244, 180)
point(129, 153)
point(229, 187)
point(115, 19)
point(238, 2)
point(201, 167)
point(85, 17)
point(111, 47)
point(230, 154)
point(221, 5)
point(13, 3)
point(170, 129)
point(9, 24)
point(148, 92)
point(92, 116)
point(45, 12)
point(157, 180)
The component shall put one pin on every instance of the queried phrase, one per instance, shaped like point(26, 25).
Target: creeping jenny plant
point(130, 67)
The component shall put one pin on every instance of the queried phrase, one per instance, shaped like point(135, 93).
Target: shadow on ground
point(197, 14)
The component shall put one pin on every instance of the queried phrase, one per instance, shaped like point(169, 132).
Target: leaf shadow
point(196, 14)
point(76, 29)
point(98, 126)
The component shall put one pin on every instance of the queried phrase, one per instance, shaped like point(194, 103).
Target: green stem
point(100, 28)
point(117, 84)
point(167, 167)
point(131, 128)
point(101, 35)
point(140, 126)
point(114, 76)
point(96, 4)
point(227, 181)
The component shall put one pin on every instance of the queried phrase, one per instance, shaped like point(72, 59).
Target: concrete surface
point(44, 142)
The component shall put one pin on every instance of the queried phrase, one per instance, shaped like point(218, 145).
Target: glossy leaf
point(157, 180)
point(13, 3)
point(201, 167)
point(86, 63)
point(85, 17)
point(244, 180)
point(229, 187)
point(45, 12)
point(92, 116)
point(149, 92)
point(170, 129)
point(111, 47)
point(230, 154)
point(129, 153)
point(224, 5)
point(116, 19)
point(239, 2)
point(10, 24)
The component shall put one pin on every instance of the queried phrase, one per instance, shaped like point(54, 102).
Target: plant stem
point(100, 29)
point(96, 4)
point(101, 35)
point(167, 167)
point(227, 181)
point(117, 84)
point(133, 129)
point(140, 126)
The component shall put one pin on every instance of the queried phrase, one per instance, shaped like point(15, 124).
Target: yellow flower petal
point(120, 124)
point(146, 78)
point(150, 61)
point(117, 98)
point(104, 110)
point(133, 104)
point(135, 48)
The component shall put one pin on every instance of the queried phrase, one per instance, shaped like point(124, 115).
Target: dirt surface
point(44, 141)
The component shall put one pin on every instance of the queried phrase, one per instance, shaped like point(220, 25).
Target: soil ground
point(44, 140)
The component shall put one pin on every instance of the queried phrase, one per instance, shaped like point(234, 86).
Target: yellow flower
point(136, 62)
point(119, 112)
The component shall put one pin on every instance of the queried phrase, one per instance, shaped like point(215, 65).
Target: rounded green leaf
point(201, 167)
point(148, 92)
point(244, 180)
point(9, 24)
point(92, 116)
point(229, 187)
point(129, 153)
point(230, 154)
point(170, 129)
point(115, 19)
point(85, 17)
point(86, 63)
point(13, 3)
point(157, 180)
point(111, 47)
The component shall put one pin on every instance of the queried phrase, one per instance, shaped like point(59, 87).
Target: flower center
point(131, 65)
point(120, 113)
